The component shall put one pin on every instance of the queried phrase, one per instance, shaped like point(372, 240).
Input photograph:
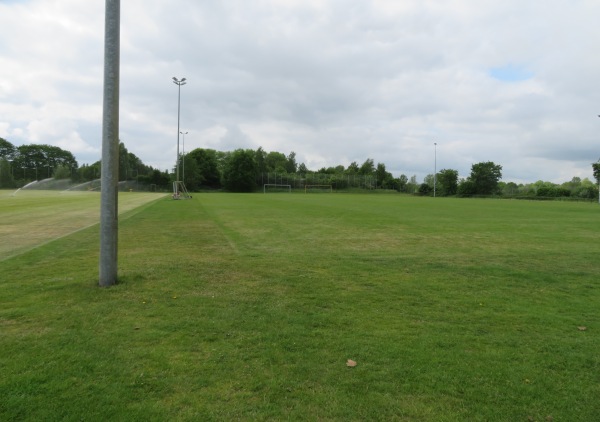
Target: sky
point(418, 85)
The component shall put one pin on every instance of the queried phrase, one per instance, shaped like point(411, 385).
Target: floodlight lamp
point(182, 79)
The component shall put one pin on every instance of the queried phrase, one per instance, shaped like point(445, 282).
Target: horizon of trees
point(245, 170)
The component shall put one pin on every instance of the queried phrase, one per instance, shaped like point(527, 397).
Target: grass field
point(248, 306)
point(30, 218)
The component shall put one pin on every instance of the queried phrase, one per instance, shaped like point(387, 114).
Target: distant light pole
point(183, 156)
point(178, 83)
point(434, 167)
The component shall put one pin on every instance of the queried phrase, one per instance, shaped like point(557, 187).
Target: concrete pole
point(110, 147)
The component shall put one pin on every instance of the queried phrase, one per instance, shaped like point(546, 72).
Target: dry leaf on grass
point(351, 363)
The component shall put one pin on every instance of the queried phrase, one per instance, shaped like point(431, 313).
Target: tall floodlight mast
point(110, 147)
point(178, 83)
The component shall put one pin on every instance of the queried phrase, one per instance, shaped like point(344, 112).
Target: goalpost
point(180, 191)
point(318, 188)
point(275, 187)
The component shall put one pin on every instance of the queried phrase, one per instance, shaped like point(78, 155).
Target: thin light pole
point(434, 167)
point(183, 156)
point(178, 83)
point(110, 147)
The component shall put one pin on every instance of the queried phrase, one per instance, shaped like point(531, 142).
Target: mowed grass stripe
point(246, 307)
point(31, 218)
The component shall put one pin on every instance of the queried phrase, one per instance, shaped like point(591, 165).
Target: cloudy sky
point(515, 82)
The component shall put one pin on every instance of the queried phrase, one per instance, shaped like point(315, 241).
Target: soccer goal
point(318, 188)
point(180, 191)
point(274, 187)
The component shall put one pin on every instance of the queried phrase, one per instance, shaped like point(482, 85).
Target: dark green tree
point(367, 168)
point(596, 169)
point(6, 177)
point(240, 171)
point(62, 172)
point(327, 170)
point(353, 168)
point(261, 160)
point(485, 177)
point(425, 189)
point(302, 169)
point(7, 150)
point(123, 162)
point(384, 178)
point(208, 173)
point(38, 161)
point(291, 166)
point(190, 174)
point(466, 188)
point(401, 183)
point(447, 182)
point(510, 188)
point(86, 172)
point(276, 162)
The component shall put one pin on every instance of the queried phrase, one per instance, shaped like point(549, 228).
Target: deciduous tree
point(596, 169)
point(447, 182)
point(485, 177)
point(240, 171)
point(291, 166)
point(207, 167)
point(7, 150)
point(367, 168)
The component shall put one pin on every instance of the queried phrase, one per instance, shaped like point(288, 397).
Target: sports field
point(31, 217)
point(250, 306)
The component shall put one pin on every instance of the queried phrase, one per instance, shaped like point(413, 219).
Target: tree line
point(22, 164)
point(247, 170)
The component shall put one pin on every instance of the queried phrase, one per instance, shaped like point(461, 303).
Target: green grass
point(30, 218)
point(246, 307)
